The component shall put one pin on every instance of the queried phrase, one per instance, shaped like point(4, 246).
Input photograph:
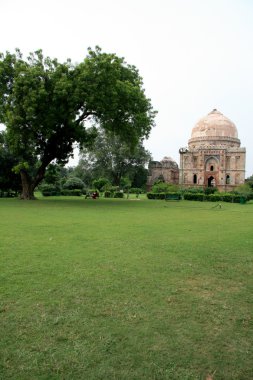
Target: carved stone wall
point(213, 156)
point(165, 170)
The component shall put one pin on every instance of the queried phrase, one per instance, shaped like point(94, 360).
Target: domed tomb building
point(213, 157)
point(165, 170)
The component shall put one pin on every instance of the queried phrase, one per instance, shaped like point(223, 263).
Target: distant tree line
point(109, 163)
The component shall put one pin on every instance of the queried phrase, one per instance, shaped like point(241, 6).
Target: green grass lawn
point(125, 289)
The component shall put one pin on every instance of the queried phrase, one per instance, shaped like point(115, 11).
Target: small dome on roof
point(169, 162)
point(167, 159)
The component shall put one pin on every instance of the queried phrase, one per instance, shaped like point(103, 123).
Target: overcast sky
point(194, 55)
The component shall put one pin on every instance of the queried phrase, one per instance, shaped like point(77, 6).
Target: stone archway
point(211, 181)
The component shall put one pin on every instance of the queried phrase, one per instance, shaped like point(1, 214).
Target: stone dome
point(169, 162)
point(214, 129)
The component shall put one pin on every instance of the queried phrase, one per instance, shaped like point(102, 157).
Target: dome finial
point(214, 111)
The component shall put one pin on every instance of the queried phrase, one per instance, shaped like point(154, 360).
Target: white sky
point(194, 55)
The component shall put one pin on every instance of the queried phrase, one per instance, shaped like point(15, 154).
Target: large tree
point(113, 159)
point(48, 106)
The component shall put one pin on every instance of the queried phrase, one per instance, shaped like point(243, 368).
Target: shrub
point(217, 197)
point(214, 197)
point(108, 194)
point(135, 190)
point(232, 197)
point(113, 189)
point(245, 191)
point(101, 183)
point(125, 183)
point(118, 194)
point(227, 197)
point(194, 197)
point(49, 190)
point(74, 192)
point(193, 190)
point(156, 195)
point(162, 187)
point(8, 194)
point(210, 190)
point(73, 183)
point(90, 191)
point(152, 195)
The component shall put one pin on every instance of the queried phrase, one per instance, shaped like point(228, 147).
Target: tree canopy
point(113, 159)
point(49, 106)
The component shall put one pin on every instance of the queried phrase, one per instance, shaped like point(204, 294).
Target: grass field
point(126, 290)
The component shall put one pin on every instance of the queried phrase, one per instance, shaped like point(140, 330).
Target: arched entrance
point(211, 181)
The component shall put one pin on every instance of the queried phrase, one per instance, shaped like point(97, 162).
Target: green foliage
point(245, 190)
point(118, 194)
point(73, 183)
point(249, 181)
point(9, 181)
point(176, 195)
point(101, 183)
point(233, 198)
point(113, 189)
point(192, 196)
point(136, 190)
point(193, 190)
point(125, 183)
point(210, 190)
point(108, 194)
point(114, 159)
point(49, 190)
point(7, 194)
point(72, 192)
point(200, 190)
point(83, 171)
point(139, 178)
point(173, 197)
point(163, 187)
point(56, 174)
point(44, 104)
point(20, 166)
point(217, 197)
point(90, 191)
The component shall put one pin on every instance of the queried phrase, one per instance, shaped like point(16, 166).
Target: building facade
point(165, 170)
point(214, 157)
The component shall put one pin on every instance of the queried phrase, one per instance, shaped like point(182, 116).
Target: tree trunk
point(116, 178)
point(27, 186)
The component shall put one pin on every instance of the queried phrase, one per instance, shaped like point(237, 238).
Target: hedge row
point(7, 194)
point(162, 195)
point(77, 192)
point(135, 190)
point(54, 192)
point(217, 197)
